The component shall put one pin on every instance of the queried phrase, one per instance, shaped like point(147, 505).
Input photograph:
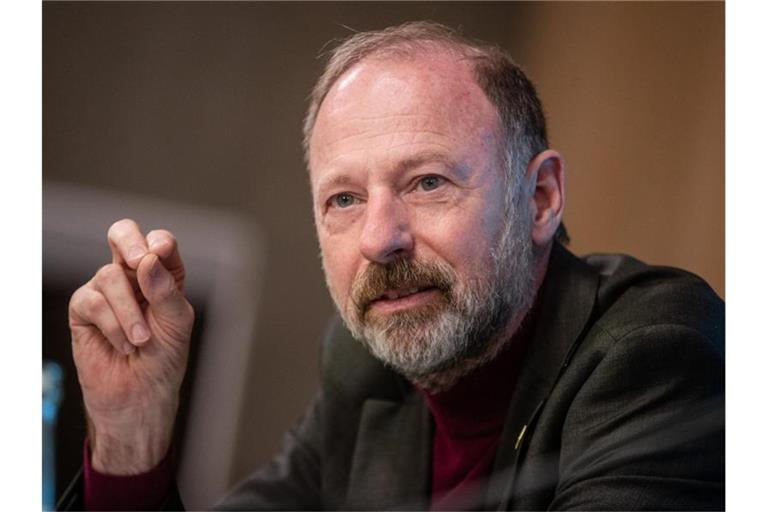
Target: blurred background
point(188, 116)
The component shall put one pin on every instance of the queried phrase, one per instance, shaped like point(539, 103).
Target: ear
point(546, 175)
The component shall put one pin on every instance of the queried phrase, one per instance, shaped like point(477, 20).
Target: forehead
point(431, 97)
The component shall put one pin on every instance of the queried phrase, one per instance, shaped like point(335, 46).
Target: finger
point(127, 243)
point(89, 308)
point(159, 288)
point(111, 280)
point(163, 243)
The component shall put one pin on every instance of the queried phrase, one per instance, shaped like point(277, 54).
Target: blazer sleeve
point(292, 480)
point(647, 429)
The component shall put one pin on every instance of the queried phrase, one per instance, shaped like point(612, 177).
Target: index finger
point(127, 243)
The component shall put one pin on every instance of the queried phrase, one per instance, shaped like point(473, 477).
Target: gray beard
point(434, 347)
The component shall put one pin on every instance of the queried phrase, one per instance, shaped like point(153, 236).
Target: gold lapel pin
point(520, 437)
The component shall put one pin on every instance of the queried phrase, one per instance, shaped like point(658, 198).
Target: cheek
point(338, 265)
point(466, 238)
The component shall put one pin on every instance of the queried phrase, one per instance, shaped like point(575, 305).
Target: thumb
point(159, 288)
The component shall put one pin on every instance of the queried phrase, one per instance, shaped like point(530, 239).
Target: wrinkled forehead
point(435, 91)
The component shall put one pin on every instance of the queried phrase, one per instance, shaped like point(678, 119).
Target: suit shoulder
point(633, 296)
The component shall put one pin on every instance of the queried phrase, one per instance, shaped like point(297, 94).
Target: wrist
point(132, 444)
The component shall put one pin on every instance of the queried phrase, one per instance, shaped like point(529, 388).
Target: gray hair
point(505, 84)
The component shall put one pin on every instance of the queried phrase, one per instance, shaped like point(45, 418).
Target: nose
point(386, 233)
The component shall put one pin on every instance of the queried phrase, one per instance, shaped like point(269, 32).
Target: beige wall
point(202, 103)
point(634, 94)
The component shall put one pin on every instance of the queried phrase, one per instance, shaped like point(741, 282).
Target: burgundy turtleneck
point(468, 420)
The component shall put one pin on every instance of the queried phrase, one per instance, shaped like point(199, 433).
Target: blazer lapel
point(568, 296)
point(391, 466)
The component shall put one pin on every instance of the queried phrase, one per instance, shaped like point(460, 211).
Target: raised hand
point(131, 326)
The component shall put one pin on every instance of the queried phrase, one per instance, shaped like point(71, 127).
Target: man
point(491, 368)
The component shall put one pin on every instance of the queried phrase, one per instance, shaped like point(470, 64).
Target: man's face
point(422, 258)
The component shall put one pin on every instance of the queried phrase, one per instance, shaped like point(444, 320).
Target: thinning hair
point(523, 126)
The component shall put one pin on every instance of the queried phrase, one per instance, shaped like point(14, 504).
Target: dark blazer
point(620, 404)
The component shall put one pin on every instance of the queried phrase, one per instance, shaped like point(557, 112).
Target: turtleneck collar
point(477, 404)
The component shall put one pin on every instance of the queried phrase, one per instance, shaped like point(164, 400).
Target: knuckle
point(166, 291)
point(94, 303)
point(76, 301)
point(179, 274)
point(77, 296)
point(109, 274)
point(86, 303)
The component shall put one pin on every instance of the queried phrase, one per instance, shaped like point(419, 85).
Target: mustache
point(402, 273)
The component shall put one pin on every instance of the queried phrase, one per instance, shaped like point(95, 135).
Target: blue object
point(52, 375)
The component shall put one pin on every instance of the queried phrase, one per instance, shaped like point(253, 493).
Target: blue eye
point(430, 182)
point(343, 200)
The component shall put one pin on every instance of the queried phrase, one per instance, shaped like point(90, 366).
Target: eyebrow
point(339, 179)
